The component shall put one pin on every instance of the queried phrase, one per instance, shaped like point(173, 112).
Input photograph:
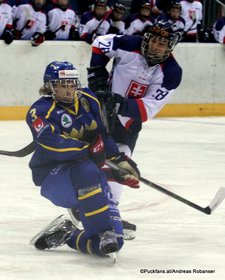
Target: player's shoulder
point(6, 7)
point(172, 72)
point(87, 16)
point(90, 96)
point(130, 43)
point(42, 105)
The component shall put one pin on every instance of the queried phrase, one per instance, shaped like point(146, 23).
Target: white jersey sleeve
point(5, 17)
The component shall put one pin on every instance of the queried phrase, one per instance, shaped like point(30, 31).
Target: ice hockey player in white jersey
point(30, 22)
point(6, 22)
point(143, 79)
point(137, 23)
point(61, 22)
point(219, 30)
point(95, 22)
point(117, 23)
point(173, 14)
point(191, 11)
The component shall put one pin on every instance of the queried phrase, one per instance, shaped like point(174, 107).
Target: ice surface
point(185, 155)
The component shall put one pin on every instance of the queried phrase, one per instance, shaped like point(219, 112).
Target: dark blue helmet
point(162, 33)
point(62, 79)
point(56, 70)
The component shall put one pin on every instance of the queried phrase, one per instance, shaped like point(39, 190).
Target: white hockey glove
point(127, 172)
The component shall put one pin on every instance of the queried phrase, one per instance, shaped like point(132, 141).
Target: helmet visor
point(66, 91)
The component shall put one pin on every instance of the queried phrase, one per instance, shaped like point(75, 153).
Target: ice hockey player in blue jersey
point(71, 147)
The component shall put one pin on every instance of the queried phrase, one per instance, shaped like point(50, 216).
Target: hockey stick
point(217, 200)
point(20, 153)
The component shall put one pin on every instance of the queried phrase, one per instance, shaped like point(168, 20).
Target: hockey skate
point(108, 244)
point(129, 229)
point(54, 235)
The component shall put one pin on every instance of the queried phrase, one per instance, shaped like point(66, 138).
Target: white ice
point(185, 155)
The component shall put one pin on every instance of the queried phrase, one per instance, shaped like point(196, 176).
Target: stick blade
point(217, 200)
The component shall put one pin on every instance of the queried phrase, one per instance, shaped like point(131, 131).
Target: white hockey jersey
point(137, 25)
point(37, 20)
point(147, 88)
point(58, 18)
point(89, 25)
point(5, 17)
point(192, 14)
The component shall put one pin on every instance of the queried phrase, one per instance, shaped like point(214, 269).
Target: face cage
point(154, 57)
point(68, 93)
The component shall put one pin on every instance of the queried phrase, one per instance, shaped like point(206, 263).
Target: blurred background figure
point(138, 23)
point(173, 15)
point(62, 22)
point(219, 30)
point(6, 22)
point(95, 22)
point(117, 23)
point(191, 11)
point(30, 22)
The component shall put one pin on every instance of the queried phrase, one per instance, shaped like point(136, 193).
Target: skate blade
point(113, 256)
point(50, 226)
point(129, 234)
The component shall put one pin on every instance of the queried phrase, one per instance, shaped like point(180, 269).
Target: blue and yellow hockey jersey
point(62, 135)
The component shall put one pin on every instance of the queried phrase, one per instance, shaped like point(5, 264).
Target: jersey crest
point(136, 90)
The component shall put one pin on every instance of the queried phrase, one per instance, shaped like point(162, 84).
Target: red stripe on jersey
point(137, 51)
point(142, 110)
point(97, 50)
point(128, 124)
point(224, 40)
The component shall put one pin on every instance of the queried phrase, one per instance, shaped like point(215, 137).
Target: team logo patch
point(38, 125)
point(136, 90)
point(66, 120)
point(85, 104)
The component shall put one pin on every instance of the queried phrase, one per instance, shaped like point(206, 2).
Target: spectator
point(192, 13)
point(219, 30)
point(61, 22)
point(30, 22)
point(117, 24)
point(136, 24)
point(95, 22)
point(173, 15)
point(6, 21)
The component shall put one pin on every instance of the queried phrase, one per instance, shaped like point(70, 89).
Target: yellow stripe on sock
point(89, 244)
point(100, 210)
point(78, 239)
point(90, 194)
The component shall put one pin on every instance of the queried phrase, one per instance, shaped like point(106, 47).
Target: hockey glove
point(49, 35)
point(17, 34)
point(37, 39)
point(118, 103)
point(128, 173)
point(97, 81)
point(97, 151)
point(8, 36)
